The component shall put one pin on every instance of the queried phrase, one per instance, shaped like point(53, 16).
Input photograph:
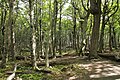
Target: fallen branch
point(13, 74)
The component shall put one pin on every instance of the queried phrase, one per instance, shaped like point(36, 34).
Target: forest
point(59, 40)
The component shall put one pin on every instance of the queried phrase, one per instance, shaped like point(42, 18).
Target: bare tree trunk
point(3, 20)
point(118, 40)
point(60, 29)
point(53, 28)
point(40, 24)
point(74, 28)
point(33, 36)
point(101, 42)
point(83, 34)
point(110, 37)
point(47, 49)
point(114, 38)
point(96, 11)
point(34, 47)
point(11, 32)
point(51, 24)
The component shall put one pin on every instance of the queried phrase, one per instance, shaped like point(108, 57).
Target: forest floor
point(95, 69)
point(69, 67)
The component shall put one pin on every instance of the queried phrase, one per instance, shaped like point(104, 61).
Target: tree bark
point(110, 37)
point(33, 36)
point(83, 33)
point(101, 42)
point(96, 11)
point(11, 35)
point(74, 27)
point(4, 52)
point(60, 29)
point(53, 28)
point(114, 38)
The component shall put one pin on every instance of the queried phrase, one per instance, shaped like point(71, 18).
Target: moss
point(39, 76)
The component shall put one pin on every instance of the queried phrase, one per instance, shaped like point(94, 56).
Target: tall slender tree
point(53, 27)
point(11, 32)
point(33, 36)
point(3, 21)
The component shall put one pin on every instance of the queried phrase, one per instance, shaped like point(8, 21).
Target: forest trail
point(97, 69)
point(103, 70)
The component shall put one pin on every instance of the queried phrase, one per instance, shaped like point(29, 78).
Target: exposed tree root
point(41, 70)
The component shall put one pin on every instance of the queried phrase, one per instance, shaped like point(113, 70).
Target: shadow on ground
point(103, 70)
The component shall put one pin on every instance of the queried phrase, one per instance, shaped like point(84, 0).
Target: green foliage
point(31, 76)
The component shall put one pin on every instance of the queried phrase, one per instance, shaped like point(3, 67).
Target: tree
point(60, 27)
point(11, 32)
point(103, 26)
point(3, 21)
point(33, 36)
point(95, 10)
point(53, 27)
point(74, 25)
point(107, 12)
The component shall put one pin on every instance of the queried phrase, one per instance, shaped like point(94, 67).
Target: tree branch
point(114, 11)
point(84, 6)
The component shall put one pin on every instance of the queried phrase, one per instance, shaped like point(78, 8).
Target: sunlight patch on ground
point(100, 69)
point(72, 78)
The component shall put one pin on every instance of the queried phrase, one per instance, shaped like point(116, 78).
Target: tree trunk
point(74, 28)
point(40, 32)
point(60, 29)
point(83, 34)
point(33, 36)
point(110, 37)
point(4, 52)
point(96, 11)
point(118, 40)
point(114, 38)
point(34, 47)
point(53, 28)
point(11, 36)
point(47, 49)
point(101, 42)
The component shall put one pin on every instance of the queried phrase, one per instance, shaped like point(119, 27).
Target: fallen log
point(57, 61)
point(28, 72)
point(110, 56)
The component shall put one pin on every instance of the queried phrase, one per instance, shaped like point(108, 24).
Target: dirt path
point(99, 69)
point(103, 70)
